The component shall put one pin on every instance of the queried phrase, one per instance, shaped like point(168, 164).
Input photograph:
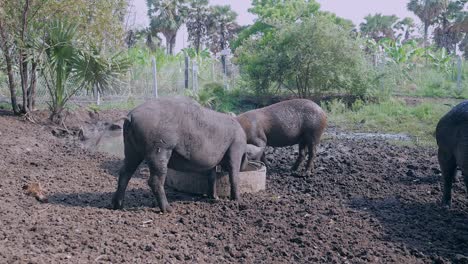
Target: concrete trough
point(252, 180)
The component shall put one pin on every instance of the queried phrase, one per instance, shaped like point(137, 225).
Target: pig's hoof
point(166, 209)
point(308, 174)
point(117, 205)
point(214, 197)
point(446, 205)
point(235, 197)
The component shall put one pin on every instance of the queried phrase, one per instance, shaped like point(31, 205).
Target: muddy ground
point(369, 202)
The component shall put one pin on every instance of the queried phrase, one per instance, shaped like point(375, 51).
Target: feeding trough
point(251, 180)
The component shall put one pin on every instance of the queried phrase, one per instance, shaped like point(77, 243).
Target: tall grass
point(391, 116)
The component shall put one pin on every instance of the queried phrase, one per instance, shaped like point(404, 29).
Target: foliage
point(427, 11)
point(378, 26)
point(272, 14)
point(69, 66)
point(62, 54)
point(449, 31)
point(401, 53)
point(198, 55)
point(100, 23)
point(312, 56)
point(99, 72)
point(204, 97)
point(197, 23)
point(166, 17)
point(391, 116)
point(222, 27)
point(23, 32)
point(441, 60)
point(214, 96)
point(290, 11)
point(405, 28)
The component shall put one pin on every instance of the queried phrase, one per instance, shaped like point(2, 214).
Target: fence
point(145, 81)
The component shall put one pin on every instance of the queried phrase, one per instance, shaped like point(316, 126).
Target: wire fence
point(141, 81)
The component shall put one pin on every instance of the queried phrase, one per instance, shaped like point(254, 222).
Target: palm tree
point(378, 26)
point(197, 22)
point(427, 11)
point(222, 29)
point(68, 67)
point(406, 26)
point(450, 28)
point(166, 17)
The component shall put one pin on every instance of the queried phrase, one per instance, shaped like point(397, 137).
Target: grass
point(391, 116)
point(5, 106)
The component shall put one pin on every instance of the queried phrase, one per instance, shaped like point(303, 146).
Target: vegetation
point(68, 67)
point(166, 17)
point(391, 116)
point(378, 26)
point(23, 33)
point(310, 57)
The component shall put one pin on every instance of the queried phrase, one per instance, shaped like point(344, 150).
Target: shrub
point(312, 56)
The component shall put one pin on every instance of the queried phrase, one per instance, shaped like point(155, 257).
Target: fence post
point(155, 78)
point(195, 76)
point(459, 68)
point(186, 72)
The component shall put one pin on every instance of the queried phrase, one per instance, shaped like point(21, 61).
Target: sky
point(355, 10)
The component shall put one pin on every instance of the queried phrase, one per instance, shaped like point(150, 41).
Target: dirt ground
point(369, 202)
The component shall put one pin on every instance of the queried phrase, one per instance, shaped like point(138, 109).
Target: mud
point(368, 202)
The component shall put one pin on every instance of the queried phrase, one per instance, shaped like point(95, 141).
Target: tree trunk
point(11, 84)
point(172, 44)
point(32, 87)
point(197, 42)
point(9, 66)
point(168, 45)
point(24, 80)
point(22, 58)
point(426, 29)
point(223, 57)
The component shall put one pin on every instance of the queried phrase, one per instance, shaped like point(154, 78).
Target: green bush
point(312, 56)
point(214, 96)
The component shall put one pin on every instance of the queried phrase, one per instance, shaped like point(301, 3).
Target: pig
point(178, 133)
point(296, 121)
point(452, 141)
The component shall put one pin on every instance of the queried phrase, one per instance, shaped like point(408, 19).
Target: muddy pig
point(297, 121)
point(180, 134)
point(452, 139)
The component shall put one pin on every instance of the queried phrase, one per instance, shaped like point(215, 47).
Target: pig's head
point(253, 152)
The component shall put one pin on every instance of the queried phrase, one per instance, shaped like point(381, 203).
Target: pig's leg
point(234, 163)
point(212, 184)
point(299, 160)
point(448, 167)
point(464, 167)
point(261, 143)
point(157, 163)
point(465, 177)
point(131, 162)
point(310, 161)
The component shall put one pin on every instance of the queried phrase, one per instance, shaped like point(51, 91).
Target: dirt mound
point(369, 201)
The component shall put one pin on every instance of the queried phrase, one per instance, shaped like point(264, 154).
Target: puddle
point(111, 143)
point(358, 135)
